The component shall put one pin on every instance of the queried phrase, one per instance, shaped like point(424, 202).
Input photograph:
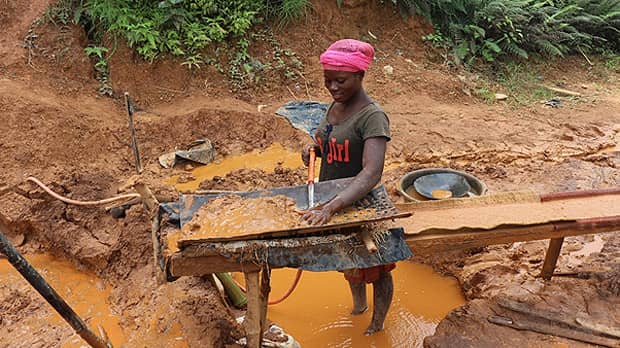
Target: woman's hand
point(321, 215)
point(305, 153)
point(318, 216)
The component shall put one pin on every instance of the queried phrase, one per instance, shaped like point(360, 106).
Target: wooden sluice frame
point(196, 262)
point(201, 261)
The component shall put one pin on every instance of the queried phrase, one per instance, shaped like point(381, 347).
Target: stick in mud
point(50, 295)
point(132, 130)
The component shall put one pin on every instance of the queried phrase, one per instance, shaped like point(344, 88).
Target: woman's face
point(342, 85)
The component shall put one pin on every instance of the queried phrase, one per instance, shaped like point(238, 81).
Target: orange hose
point(84, 203)
point(289, 291)
point(286, 294)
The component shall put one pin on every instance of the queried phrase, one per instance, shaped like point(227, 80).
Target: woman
point(351, 140)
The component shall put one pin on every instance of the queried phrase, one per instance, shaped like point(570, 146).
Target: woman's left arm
point(373, 158)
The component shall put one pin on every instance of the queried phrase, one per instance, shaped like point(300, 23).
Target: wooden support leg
point(152, 205)
point(551, 258)
point(257, 284)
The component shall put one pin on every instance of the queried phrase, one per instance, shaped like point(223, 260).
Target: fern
point(521, 27)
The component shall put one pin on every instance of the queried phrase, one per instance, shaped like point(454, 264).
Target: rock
point(499, 96)
point(388, 70)
point(189, 167)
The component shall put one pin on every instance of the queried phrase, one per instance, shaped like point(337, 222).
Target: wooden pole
point(152, 205)
point(369, 243)
point(252, 317)
point(132, 131)
point(258, 288)
point(551, 258)
point(50, 295)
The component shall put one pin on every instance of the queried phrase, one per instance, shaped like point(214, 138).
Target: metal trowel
point(311, 178)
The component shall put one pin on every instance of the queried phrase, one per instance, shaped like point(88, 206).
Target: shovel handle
point(311, 165)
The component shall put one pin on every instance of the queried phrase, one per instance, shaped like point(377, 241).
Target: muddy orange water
point(265, 160)
point(84, 292)
point(317, 313)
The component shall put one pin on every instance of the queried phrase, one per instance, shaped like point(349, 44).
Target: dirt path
point(56, 127)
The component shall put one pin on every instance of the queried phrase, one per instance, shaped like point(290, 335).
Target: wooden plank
point(193, 263)
point(440, 241)
point(293, 232)
point(551, 257)
point(179, 265)
point(562, 91)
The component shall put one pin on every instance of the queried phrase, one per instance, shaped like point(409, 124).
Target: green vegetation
point(523, 82)
point(99, 55)
point(200, 32)
point(612, 61)
point(490, 29)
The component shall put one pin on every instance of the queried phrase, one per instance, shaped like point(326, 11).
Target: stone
point(500, 96)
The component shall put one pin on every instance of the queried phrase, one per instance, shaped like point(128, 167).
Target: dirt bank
point(56, 127)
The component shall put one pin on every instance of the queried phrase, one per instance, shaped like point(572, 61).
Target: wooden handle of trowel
point(311, 165)
point(368, 242)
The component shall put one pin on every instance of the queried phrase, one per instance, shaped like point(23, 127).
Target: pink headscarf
point(347, 55)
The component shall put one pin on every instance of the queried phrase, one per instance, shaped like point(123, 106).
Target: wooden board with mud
point(505, 209)
point(233, 217)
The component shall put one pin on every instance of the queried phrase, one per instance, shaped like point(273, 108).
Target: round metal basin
point(439, 183)
point(442, 185)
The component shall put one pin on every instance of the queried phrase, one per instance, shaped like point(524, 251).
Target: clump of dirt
point(253, 179)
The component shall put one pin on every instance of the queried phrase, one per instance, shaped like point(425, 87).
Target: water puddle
point(265, 160)
point(84, 292)
point(317, 313)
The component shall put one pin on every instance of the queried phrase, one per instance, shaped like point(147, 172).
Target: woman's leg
point(358, 290)
point(383, 290)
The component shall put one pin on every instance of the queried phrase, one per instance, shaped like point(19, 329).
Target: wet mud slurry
point(318, 312)
point(265, 160)
point(84, 292)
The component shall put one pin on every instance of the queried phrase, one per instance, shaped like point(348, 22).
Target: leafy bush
point(178, 27)
point(185, 28)
point(489, 29)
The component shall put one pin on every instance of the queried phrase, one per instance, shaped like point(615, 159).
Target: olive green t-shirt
point(342, 146)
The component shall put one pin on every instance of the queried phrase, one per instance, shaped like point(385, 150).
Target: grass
point(612, 61)
point(522, 82)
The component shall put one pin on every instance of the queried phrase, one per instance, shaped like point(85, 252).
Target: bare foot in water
point(372, 329)
point(358, 311)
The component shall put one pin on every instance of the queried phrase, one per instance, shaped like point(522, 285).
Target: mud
point(57, 128)
point(234, 216)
